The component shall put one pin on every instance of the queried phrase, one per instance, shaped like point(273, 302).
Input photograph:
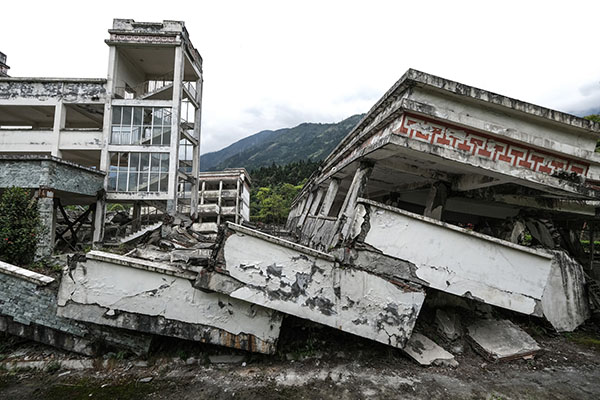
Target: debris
point(426, 352)
point(146, 380)
point(500, 340)
point(448, 324)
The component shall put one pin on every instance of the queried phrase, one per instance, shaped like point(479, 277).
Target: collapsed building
point(442, 195)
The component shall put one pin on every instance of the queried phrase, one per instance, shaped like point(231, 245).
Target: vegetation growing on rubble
point(274, 189)
point(19, 226)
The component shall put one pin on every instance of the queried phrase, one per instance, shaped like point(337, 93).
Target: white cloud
point(270, 65)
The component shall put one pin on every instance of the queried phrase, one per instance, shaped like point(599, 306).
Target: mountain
point(283, 146)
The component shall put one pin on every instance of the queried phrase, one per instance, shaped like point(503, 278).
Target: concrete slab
point(426, 352)
point(123, 292)
point(500, 340)
point(309, 284)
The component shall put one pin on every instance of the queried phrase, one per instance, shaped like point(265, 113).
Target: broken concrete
point(501, 340)
point(426, 352)
point(123, 292)
point(448, 324)
point(308, 284)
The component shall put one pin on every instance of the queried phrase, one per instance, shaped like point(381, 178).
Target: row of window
point(141, 125)
point(138, 172)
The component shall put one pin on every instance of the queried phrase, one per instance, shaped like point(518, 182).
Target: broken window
point(138, 172)
point(141, 125)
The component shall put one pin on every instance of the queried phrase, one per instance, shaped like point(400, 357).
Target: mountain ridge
point(306, 141)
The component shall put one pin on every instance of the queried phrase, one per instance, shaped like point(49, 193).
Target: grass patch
point(584, 339)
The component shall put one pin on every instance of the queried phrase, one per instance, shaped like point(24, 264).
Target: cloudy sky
point(275, 64)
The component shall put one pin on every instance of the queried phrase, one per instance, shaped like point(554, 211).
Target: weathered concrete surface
point(426, 352)
point(308, 284)
point(501, 340)
point(564, 301)
point(150, 297)
point(448, 324)
point(455, 260)
point(28, 309)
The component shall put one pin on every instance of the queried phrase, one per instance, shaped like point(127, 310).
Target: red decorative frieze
point(487, 146)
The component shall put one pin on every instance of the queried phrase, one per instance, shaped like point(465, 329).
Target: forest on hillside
point(275, 187)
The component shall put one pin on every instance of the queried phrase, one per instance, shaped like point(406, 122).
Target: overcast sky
point(271, 65)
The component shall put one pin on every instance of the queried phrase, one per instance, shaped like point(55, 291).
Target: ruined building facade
point(139, 128)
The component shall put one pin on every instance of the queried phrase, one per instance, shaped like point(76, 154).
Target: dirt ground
point(313, 363)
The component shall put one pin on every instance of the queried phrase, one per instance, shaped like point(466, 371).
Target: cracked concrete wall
point(126, 296)
point(400, 244)
point(29, 310)
point(460, 262)
point(50, 90)
point(50, 173)
point(284, 277)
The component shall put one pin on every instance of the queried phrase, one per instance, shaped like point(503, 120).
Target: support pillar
point(219, 202)
point(45, 205)
point(330, 196)
point(356, 190)
point(60, 117)
point(436, 201)
point(137, 215)
point(99, 217)
point(315, 206)
point(305, 211)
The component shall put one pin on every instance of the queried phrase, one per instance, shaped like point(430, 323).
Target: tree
point(19, 226)
point(593, 117)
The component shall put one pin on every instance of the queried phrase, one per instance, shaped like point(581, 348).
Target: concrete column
point(60, 118)
point(99, 216)
point(356, 190)
point(315, 206)
point(436, 201)
point(305, 210)
point(45, 204)
point(219, 202)
point(137, 215)
point(332, 190)
point(175, 128)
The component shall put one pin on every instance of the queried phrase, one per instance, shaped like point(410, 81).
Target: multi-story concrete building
point(140, 126)
point(224, 196)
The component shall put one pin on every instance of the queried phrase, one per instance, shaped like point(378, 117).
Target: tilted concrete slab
point(469, 264)
point(134, 294)
point(501, 340)
point(426, 352)
point(309, 284)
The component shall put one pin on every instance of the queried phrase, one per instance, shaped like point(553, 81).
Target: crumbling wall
point(139, 295)
point(28, 309)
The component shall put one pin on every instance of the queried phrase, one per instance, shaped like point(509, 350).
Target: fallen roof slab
point(134, 294)
point(501, 340)
point(309, 284)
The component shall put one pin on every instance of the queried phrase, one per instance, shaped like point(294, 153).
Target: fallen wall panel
point(308, 284)
point(144, 296)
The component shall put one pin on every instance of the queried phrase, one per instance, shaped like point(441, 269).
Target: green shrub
point(19, 226)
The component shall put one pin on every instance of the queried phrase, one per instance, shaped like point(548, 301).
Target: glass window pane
point(135, 135)
point(127, 115)
point(147, 135)
point(134, 161)
point(155, 162)
point(164, 162)
point(164, 183)
point(166, 139)
point(133, 178)
point(145, 161)
point(147, 116)
point(137, 115)
point(143, 186)
point(115, 135)
point(116, 116)
point(154, 182)
point(158, 116)
point(166, 116)
point(156, 136)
